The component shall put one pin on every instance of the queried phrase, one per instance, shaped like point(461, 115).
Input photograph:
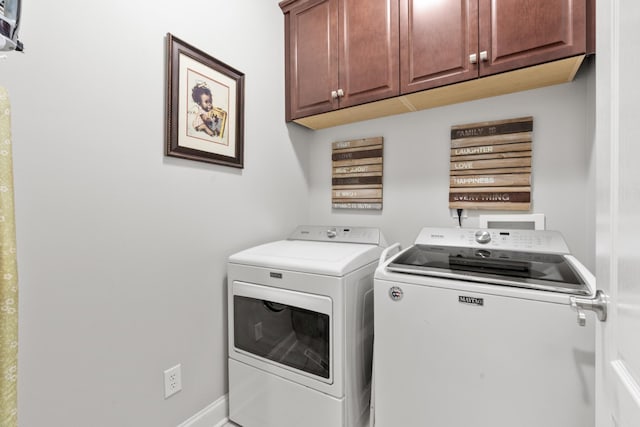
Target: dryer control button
point(483, 236)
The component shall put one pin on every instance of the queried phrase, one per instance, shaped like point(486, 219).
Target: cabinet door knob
point(340, 92)
point(334, 94)
point(473, 58)
point(483, 56)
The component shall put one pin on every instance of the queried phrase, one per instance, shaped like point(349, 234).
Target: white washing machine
point(301, 329)
point(475, 328)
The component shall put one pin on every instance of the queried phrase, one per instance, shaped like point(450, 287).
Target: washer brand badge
point(470, 300)
point(275, 275)
point(395, 293)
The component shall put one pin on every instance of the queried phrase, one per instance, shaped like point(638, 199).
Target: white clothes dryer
point(301, 329)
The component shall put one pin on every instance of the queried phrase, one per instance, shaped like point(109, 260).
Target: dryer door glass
point(282, 333)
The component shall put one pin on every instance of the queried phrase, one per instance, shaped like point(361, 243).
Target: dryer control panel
point(318, 233)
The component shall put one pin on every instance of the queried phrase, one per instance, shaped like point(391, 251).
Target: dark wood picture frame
point(205, 107)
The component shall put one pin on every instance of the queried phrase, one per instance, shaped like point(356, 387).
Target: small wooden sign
point(491, 165)
point(356, 179)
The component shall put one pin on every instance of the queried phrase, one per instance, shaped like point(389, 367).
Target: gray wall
point(416, 163)
point(122, 250)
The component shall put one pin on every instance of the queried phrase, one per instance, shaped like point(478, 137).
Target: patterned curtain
point(8, 276)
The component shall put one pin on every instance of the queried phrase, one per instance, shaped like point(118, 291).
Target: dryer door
point(286, 327)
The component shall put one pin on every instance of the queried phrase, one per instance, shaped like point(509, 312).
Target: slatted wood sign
point(357, 174)
point(491, 165)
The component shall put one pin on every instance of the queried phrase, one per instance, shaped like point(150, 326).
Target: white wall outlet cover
point(454, 214)
point(172, 381)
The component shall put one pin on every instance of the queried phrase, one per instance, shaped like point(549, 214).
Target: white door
point(618, 211)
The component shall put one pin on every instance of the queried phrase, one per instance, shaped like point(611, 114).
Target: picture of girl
point(204, 120)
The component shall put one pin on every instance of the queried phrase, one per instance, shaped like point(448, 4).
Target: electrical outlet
point(172, 381)
point(454, 214)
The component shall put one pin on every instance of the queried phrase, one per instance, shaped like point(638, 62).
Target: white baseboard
point(214, 415)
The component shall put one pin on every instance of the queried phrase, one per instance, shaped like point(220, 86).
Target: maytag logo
point(437, 236)
point(275, 275)
point(395, 293)
point(470, 300)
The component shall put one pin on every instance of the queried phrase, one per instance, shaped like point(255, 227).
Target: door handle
point(597, 304)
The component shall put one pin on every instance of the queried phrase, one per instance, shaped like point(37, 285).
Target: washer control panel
point(517, 240)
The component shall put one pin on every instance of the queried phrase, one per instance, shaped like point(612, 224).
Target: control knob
point(483, 237)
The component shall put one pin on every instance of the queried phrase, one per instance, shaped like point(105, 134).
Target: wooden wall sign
point(491, 165)
point(356, 181)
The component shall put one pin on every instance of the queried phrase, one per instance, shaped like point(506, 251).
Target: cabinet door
point(312, 57)
point(436, 40)
point(519, 33)
point(369, 50)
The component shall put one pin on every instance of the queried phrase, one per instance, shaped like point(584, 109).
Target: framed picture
point(205, 107)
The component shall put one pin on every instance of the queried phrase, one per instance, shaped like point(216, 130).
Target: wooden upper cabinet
point(519, 33)
point(339, 53)
point(368, 61)
point(444, 42)
point(343, 53)
point(311, 50)
point(436, 39)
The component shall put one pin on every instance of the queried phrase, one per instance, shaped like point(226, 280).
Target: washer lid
point(327, 258)
point(532, 270)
